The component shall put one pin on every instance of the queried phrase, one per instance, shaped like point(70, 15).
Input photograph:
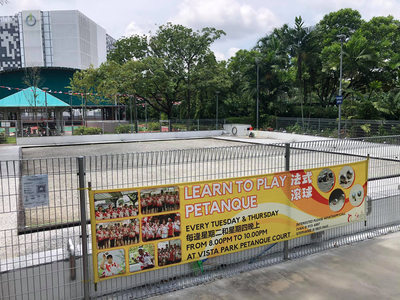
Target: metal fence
point(31, 128)
point(329, 127)
point(37, 243)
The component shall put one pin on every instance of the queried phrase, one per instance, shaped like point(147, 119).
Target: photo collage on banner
point(154, 227)
point(135, 228)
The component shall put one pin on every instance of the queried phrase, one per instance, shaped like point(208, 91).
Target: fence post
point(82, 199)
point(319, 125)
point(287, 168)
point(198, 124)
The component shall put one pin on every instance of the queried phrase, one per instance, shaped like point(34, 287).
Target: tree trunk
point(169, 119)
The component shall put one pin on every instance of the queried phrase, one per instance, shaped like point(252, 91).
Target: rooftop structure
point(65, 38)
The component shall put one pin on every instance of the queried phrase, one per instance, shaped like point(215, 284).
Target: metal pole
point(198, 124)
point(287, 168)
point(136, 115)
point(258, 92)
point(216, 118)
point(72, 114)
point(340, 85)
point(82, 198)
point(130, 100)
point(145, 113)
point(118, 111)
point(47, 121)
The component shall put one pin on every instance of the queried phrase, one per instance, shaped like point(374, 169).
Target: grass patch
point(11, 140)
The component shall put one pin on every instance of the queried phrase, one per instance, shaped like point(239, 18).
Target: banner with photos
point(147, 228)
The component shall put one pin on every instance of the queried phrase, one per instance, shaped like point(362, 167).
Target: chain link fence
point(329, 127)
point(41, 247)
point(32, 128)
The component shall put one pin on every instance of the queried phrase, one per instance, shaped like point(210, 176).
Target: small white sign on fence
point(35, 190)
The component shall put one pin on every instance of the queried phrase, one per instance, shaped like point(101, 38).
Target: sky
point(244, 22)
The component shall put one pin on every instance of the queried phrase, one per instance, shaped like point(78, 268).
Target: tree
point(130, 48)
point(85, 83)
point(302, 43)
point(167, 62)
point(33, 81)
point(344, 21)
point(383, 34)
point(181, 49)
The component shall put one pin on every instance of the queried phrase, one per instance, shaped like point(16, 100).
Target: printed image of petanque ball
point(357, 195)
point(326, 180)
point(346, 177)
point(336, 200)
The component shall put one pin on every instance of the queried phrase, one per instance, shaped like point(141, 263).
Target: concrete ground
point(114, 148)
point(365, 270)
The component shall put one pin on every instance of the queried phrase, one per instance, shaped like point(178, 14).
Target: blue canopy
point(26, 99)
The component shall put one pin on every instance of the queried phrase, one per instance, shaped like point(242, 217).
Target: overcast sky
point(243, 21)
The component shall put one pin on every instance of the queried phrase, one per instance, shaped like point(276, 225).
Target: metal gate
point(46, 253)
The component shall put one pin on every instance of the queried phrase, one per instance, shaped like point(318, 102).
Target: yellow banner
point(140, 229)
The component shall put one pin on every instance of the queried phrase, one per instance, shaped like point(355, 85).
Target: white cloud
point(222, 56)
point(236, 19)
point(367, 9)
point(232, 51)
point(133, 28)
point(219, 55)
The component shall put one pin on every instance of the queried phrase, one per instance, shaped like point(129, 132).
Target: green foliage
point(129, 48)
point(87, 131)
point(298, 68)
point(3, 138)
point(382, 131)
point(123, 128)
point(395, 130)
point(367, 129)
point(153, 126)
point(294, 129)
point(344, 21)
point(239, 120)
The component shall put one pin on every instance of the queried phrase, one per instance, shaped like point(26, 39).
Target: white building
point(52, 39)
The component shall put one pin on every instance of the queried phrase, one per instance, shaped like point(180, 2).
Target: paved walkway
point(365, 270)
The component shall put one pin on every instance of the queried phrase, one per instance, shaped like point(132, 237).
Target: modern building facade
point(66, 39)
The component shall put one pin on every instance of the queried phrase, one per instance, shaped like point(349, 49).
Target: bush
point(87, 131)
point(153, 126)
point(240, 120)
point(92, 130)
point(123, 129)
point(381, 130)
point(79, 130)
point(3, 138)
point(295, 128)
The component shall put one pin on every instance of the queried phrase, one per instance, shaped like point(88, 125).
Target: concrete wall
point(106, 138)
point(281, 136)
point(287, 137)
point(33, 41)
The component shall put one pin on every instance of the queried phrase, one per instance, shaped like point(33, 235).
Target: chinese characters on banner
point(147, 228)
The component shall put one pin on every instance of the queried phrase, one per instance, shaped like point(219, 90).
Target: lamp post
point(216, 119)
point(341, 38)
point(47, 116)
point(258, 92)
point(72, 113)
